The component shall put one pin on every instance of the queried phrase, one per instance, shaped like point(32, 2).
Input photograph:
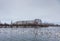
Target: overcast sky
point(47, 10)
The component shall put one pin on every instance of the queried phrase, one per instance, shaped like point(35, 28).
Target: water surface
point(30, 34)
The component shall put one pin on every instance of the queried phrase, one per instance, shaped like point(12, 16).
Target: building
point(36, 21)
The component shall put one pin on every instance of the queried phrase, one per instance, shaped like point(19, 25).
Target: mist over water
point(30, 34)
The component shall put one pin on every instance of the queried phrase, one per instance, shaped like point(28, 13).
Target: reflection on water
point(30, 34)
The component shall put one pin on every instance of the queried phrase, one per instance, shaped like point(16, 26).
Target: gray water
point(30, 34)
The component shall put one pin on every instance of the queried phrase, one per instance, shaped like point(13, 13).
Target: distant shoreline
point(32, 23)
point(25, 25)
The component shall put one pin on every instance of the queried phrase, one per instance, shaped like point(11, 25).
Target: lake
point(30, 34)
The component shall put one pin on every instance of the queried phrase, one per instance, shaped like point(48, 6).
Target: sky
point(14, 10)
